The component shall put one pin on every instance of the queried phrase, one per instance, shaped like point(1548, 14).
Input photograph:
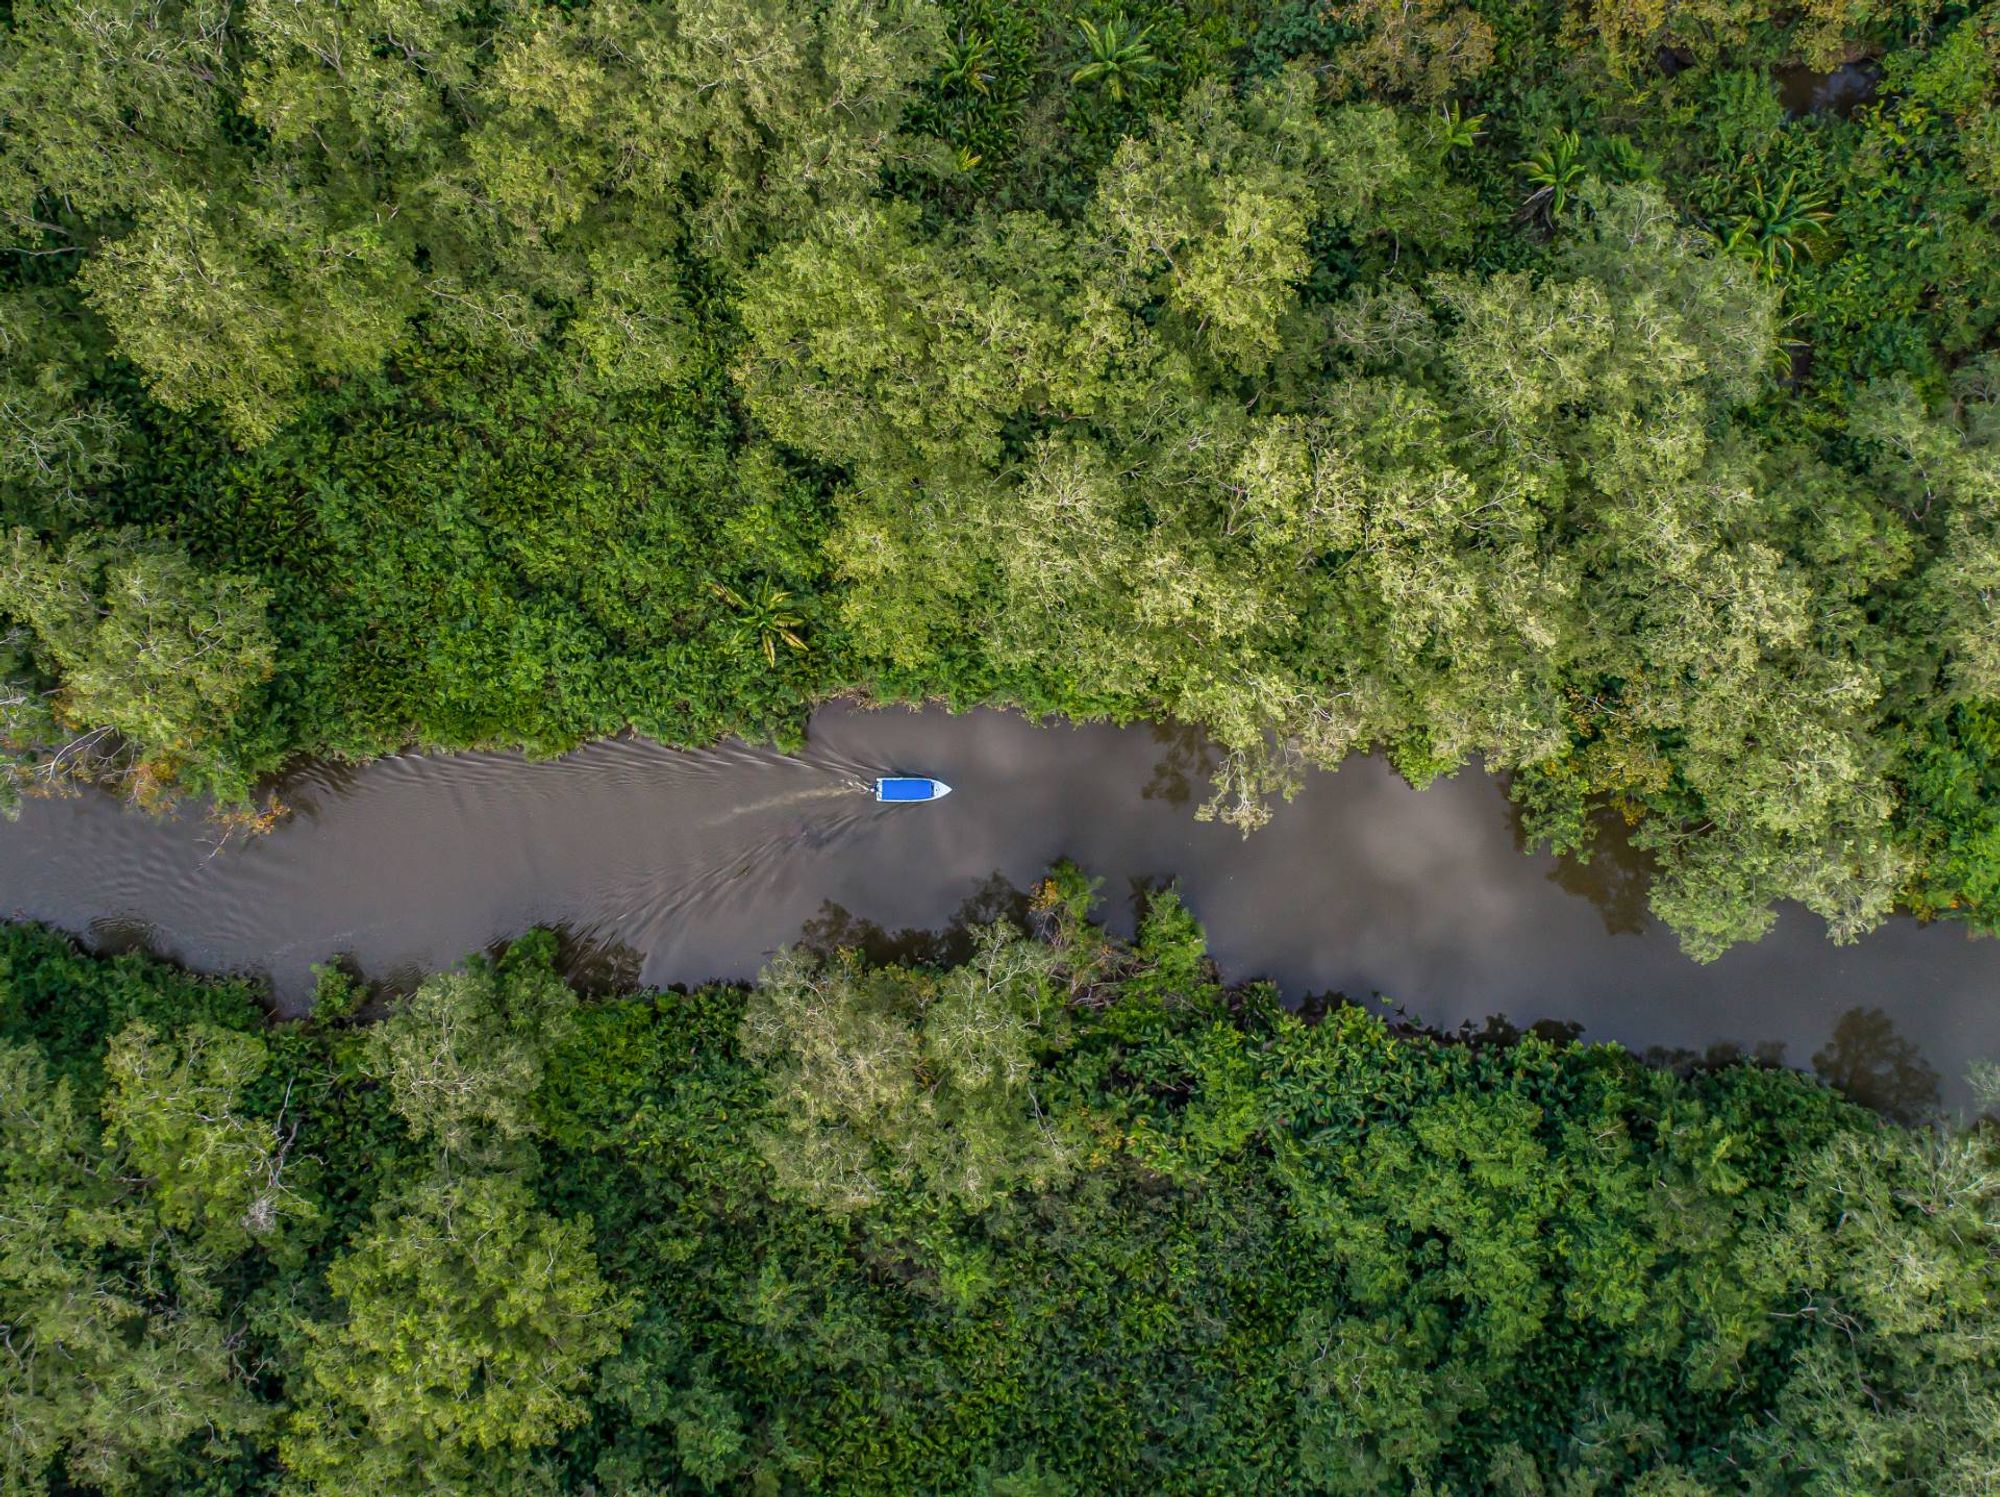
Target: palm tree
point(966, 61)
point(1618, 160)
point(1118, 57)
point(1777, 226)
point(1456, 130)
point(1553, 172)
point(762, 618)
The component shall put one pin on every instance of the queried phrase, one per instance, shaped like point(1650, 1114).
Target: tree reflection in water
point(1186, 764)
point(1877, 1067)
point(836, 928)
point(595, 964)
point(1866, 1059)
point(1611, 873)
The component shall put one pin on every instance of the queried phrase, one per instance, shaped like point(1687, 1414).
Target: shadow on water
point(1840, 92)
point(1722, 1054)
point(1801, 89)
point(127, 935)
point(307, 789)
point(1499, 1032)
point(393, 986)
point(1140, 890)
point(1186, 764)
point(1494, 1032)
point(836, 929)
point(121, 935)
point(1868, 1061)
point(595, 964)
point(1612, 874)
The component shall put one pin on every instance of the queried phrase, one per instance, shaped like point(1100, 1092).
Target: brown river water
point(671, 867)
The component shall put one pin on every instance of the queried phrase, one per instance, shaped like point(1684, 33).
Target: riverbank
point(1065, 1216)
point(688, 867)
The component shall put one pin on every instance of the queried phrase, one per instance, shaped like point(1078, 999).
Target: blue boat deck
point(910, 788)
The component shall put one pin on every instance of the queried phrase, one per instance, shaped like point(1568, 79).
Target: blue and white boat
point(910, 787)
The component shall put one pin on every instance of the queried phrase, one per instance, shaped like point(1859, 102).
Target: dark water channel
point(675, 867)
point(1802, 91)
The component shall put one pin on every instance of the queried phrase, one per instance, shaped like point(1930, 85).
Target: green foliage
point(116, 1356)
point(517, 374)
point(763, 619)
point(1555, 172)
point(463, 1058)
point(176, 1108)
point(1776, 228)
point(61, 437)
point(470, 1322)
point(1455, 130)
point(966, 62)
point(1069, 1217)
point(487, 554)
point(1953, 771)
point(891, 1075)
point(1428, 50)
point(232, 309)
point(145, 647)
point(385, 372)
point(1118, 59)
point(258, 211)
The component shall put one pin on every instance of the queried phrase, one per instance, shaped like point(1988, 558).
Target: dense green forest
point(1606, 394)
point(1046, 1214)
point(1552, 386)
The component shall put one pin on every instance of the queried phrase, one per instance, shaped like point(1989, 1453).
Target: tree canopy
point(1072, 1215)
point(1597, 398)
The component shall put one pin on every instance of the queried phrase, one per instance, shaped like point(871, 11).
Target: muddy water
point(1842, 91)
point(681, 867)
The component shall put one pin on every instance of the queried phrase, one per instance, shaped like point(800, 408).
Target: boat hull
point(906, 788)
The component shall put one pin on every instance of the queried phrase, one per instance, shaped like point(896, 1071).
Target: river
point(681, 867)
